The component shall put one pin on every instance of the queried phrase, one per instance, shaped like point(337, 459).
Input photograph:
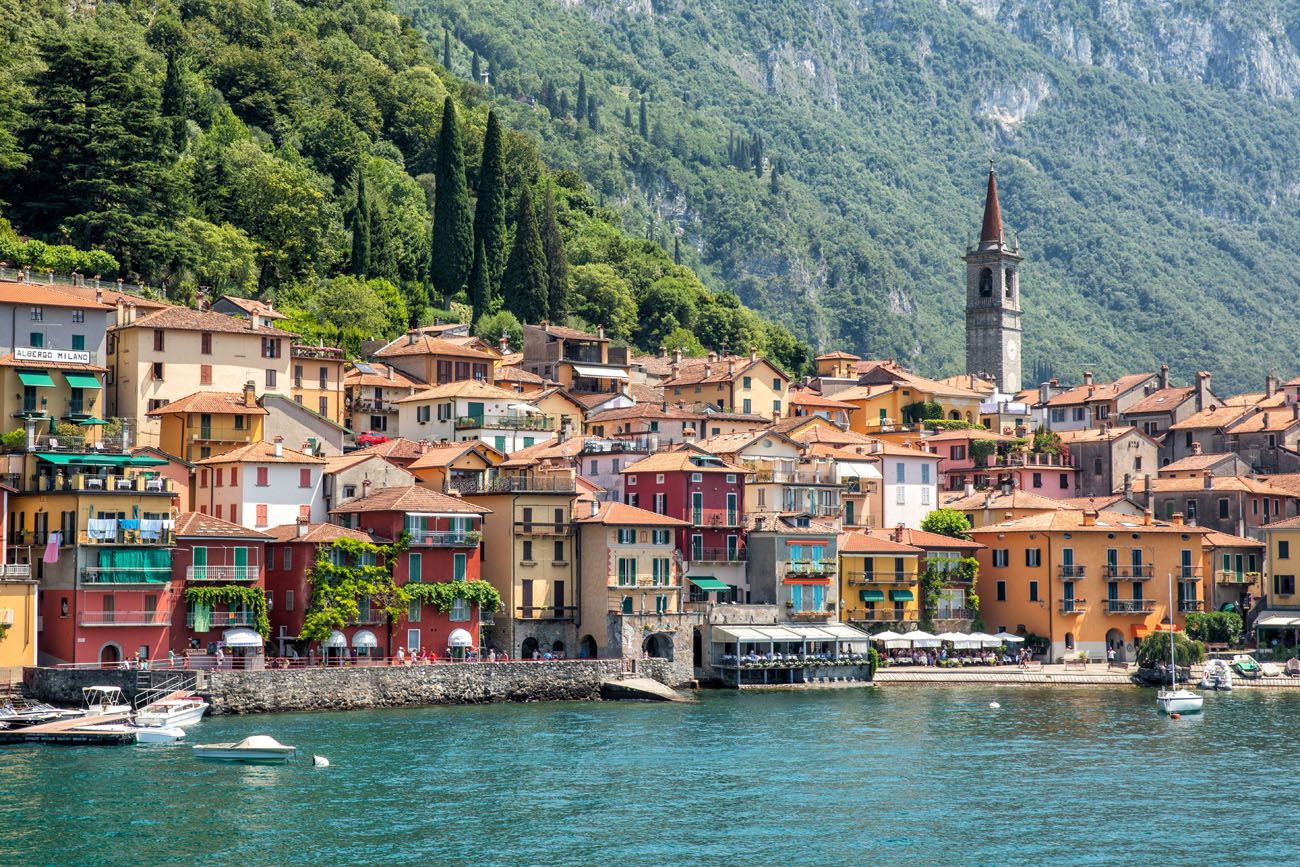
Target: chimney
point(1209, 481)
point(1128, 486)
point(898, 534)
point(753, 353)
point(1008, 516)
point(410, 338)
point(279, 446)
point(130, 311)
point(1178, 519)
point(663, 351)
point(713, 356)
point(1087, 377)
point(1044, 392)
point(1147, 518)
point(1265, 421)
point(600, 331)
point(874, 448)
point(424, 446)
point(365, 487)
point(1054, 382)
point(595, 508)
point(250, 394)
point(1089, 517)
point(1146, 490)
point(731, 367)
point(546, 325)
point(1295, 410)
point(388, 368)
point(99, 295)
point(1202, 390)
point(969, 490)
point(1164, 376)
point(1270, 385)
point(304, 525)
point(503, 343)
point(306, 448)
point(1196, 448)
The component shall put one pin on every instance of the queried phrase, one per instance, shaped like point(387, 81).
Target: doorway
point(1115, 642)
point(110, 654)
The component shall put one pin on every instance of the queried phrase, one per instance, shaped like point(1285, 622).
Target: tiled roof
point(803, 397)
point(970, 434)
point(381, 377)
point(40, 295)
point(566, 333)
point(629, 516)
point(838, 355)
point(517, 374)
point(730, 443)
point(687, 460)
point(1072, 520)
point(857, 542)
point(549, 450)
point(1162, 400)
point(900, 376)
point(1217, 483)
point(397, 447)
point(1285, 524)
point(319, 534)
point(833, 435)
point(694, 371)
point(339, 463)
point(511, 359)
point(261, 453)
point(1286, 481)
point(1213, 416)
point(461, 388)
point(409, 498)
point(1017, 499)
point(444, 454)
point(1197, 462)
point(1099, 391)
point(254, 307)
point(1096, 504)
point(1216, 539)
point(642, 393)
point(1267, 420)
point(590, 401)
point(212, 402)
point(1096, 434)
point(786, 523)
point(186, 319)
point(197, 524)
point(654, 365)
point(424, 344)
point(924, 539)
point(112, 296)
point(863, 392)
point(651, 411)
point(8, 360)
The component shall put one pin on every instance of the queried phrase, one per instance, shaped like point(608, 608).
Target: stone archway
point(110, 654)
point(587, 648)
point(528, 648)
point(659, 645)
point(1115, 642)
point(558, 647)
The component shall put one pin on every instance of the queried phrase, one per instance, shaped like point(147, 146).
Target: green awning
point(35, 378)
point(707, 582)
point(900, 595)
point(91, 460)
point(872, 595)
point(92, 421)
point(82, 380)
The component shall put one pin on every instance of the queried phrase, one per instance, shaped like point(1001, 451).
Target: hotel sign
point(60, 356)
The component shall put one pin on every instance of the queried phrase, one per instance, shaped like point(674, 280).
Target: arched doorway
point(587, 647)
point(528, 648)
point(697, 648)
point(558, 649)
point(110, 654)
point(658, 646)
point(1115, 642)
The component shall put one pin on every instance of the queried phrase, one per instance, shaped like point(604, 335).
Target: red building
point(211, 552)
point(709, 495)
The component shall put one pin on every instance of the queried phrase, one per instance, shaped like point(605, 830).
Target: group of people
point(942, 655)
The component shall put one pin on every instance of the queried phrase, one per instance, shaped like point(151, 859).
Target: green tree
point(452, 252)
point(221, 258)
point(490, 209)
point(361, 230)
point(947, 522)
point(493, 325)
point(167, 36)
point(643, 125)
point(580, 109)
point(446, 49)
point(668, 304)
point(480, 293)
point(602, 297)
point(557, 267)
point(524, 284)
point(475, 73)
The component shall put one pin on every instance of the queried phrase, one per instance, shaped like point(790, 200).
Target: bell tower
point(993, 300)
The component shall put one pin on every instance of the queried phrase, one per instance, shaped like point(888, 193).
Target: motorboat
point(1246, 666)
point(257, 748)
point(17, 713)
point(178, 712)
point(101, 700)
point(143, 734)
point(1179, 701)
point(1218, 675)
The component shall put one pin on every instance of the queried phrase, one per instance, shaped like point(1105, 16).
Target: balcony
point(1186, 605)
point(124, 618)
point(16, 570)
point(539, 528)
point(715, 517)
point(547, 483)
point(1188, 573)
point(328, 353)
point(108, 576)
point(1131, 572)
point(547, 612)
point(1073, 606)
point(641, 582)
point(111, 532)
point(109, 484)
point(222, 619)
point(1130, 606)
point(452, 539)
point(859, 578)
point(810, 568)
point(1230, 577)
point(222, 573)
point(955, 614)
point(506, 422)
point(882, 615)
point(796, 477)
point(371, 404)
point(718, 555)
point(1071, 572)
point(224, 437)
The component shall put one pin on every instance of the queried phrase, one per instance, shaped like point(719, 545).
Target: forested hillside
point(318, 155)
point(824, 159)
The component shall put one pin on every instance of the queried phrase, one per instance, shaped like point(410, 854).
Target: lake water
point(898, 775)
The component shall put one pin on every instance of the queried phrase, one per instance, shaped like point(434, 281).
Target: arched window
point(1069, 641)
point(954, 415)
point(986, 283)
point(1009, 282)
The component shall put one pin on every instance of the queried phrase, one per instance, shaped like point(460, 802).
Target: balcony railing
point(223, 619)
point(718, 555)
point(371, 404)
point(883, 615)
point(796, 477)
point(881, 577)
point(121, 536)
point(506, 422)
point(955, 614)
point(715, 517)
point(543, 528)
point(553, 483)
point(1130, 606)
point(811, 568)
point(113, 576)
point(1130, 572)
point(222, 573)
point(619, 582)
point(1188, 573)
point(547, 612)
point(1185, 605)
point(16, 570)
point(125, 618)
point(104, 483)
point(1071, 571)
point(1231, 577)
point(299, 350)
point(1074, 606)
point(452, 539)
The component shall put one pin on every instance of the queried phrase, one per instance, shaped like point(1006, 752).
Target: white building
point(469, 410)
point(910, 480)
point(261, 485)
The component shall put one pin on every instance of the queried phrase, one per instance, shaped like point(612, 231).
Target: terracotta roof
point(443, 454)
point(925, 539)
point(730, 443)
point(1072, 520)
point(43, 295)
point(785, 523)
point(511, 359)
point(687, 460)
point(112, 296)
point(1286, 481)
point(1197, 462)
point(425, 344)
point(1286, 524)
point(517, 374)
point(8, 360)
point(254, 307)
point(339, 463)
point(901, 376)
point(381, 377)
point(1266, 420)
point(803, 397)
point(832, 435)
point(261, 453)
point(186, 319)
point(196, 524)
point(1096, 434)
point(838, 355)
point(1217, 483)
point(590, 401)
point(566, 333)
point(1215, 539)
point(694, 371)
point(1162, 400)
point(212, 402)
point(788, 425)
point(629, 516)
point(548, 450)
point(397, 447)
point(1213, 416)
point(462, 388)
point(862, 392)
point(841, 453)
point(319, 534)
point(970, 434)
point(856, 542)
point(1017, 499)
point(643, 393)
point(652, 411)
point(655, 365)
point(1097, 504)
point(409, 498)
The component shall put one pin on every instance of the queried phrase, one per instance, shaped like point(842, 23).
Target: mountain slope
point(1145, 161)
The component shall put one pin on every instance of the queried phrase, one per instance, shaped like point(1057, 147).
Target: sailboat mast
point(1173, 665)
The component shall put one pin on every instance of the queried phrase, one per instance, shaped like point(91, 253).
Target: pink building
point(964, 464)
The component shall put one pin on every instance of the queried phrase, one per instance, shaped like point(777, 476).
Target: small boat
point(1217, 676)
point(1246, 666)
point(257, 748)
point(18, 713)
point(102, 700)
point(143, 734)
point(1174, 700)
point(178, 712)
point(1268, 669)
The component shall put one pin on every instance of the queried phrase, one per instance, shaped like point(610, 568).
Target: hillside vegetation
point(1145, 153)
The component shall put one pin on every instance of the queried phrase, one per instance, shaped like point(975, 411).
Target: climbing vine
point(939, 574)
point(443, 594)
point(345, 572)
point(981, 451)
point(234, 596)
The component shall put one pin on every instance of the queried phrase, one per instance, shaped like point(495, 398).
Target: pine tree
point(557, 267)
point(446, 49)
point(361, 230)
point(174, 101)
point(643, 124)
point(480, 291)
point(580, 110)
point(475, 73)
point(490, 211)
point(524, 285)
point(452, 252)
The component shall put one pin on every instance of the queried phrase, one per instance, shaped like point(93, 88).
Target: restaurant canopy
point(985, 639)
point(459, 638)
point(788, 632)
point(709, 583)
point(1008, 637)
point(917, 638)
point(93, 460)
point(241, 637)
point(82, 380)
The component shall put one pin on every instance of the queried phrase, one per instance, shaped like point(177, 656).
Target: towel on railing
point(150, 528)
point(102, 528)
point(130, 523)
point(52, 548)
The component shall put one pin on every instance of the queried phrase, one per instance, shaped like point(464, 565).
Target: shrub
point(1154, 650)
point(1214, 627)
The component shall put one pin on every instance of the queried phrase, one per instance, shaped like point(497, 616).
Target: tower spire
point(991, 231)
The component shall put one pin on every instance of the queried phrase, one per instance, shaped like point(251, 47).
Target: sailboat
point(1174, 700)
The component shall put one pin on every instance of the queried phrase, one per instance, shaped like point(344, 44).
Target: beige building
point(750, 385)
point(438, 360)
point(371, 392)
point(318, 380)
point(159, 358)
point(209, 423)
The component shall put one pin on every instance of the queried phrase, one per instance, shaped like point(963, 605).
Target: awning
point(460, 638)
point(336, 640)
point(1008, 637)
point(35, 378)
point(1278, 620)
point(241, 638)
point(709, 583)
point(81, 380)
point(872, 595)
point(91, 422)
point(600, 372)
point(900, 595)
point(843, 632)
point(62, 459)
point(364, 638)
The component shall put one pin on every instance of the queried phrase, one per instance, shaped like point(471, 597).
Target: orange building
point(1088, 581)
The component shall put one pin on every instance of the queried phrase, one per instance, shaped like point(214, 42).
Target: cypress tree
point(557, 267)
point(475, 72)
point(446, 49)
point(524, 285)
point(580, 110)
point(593, 118)
point(564, 103)
point(173, 100)
point(361, 230)
point(452, 249)
point(776, 184)
point(643, 124)
point(383, 252)
point(627, 116)
point(480, 292)
point(677, 250)
point(490, 211)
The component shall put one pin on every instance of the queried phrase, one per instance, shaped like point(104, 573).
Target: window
point(1191, 509)
point(323, 406)
point(413, 611)
point(697, 477)
point(731, 478)
point(1223, 507)
point(661, 504)
point(415, 567)
point(1272, 441)
point(221, 476)
point(1096, 466)
point(159, 340)
point(900, 473)
point(1283, 585)
point(262, 474)
point(1001, 558)
point(239, 422)
point(78, 342)
point(36, 340)
point(78, 315)
point(559, 552)
point(1080, 413)
point(528, 551)
point(323, 379)
point(270, 347)
point(288, 595)
point(1038, 480)
point(631, 480)
point(38, 314)
point(1137, 465)
point(261, 515)
point(1065, 481)
point(925, 474)
point(661, 537)
point(776, 385)
point(1033, 557)
point(957, 453)
point(745, 383)
point(270, 378)
point(287, 559)
point(659, 478)
point(1002, 591)
point(423, 414)
point(205, 343)
point(157, 371)
point(1033, 591)
point(205, 374)
point(626, 536)
point(1283, 549)
point(776, 408)
point(627, 571)
point(459, 611)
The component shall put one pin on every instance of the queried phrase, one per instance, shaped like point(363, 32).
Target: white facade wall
point(911, 489)
point(283, 495)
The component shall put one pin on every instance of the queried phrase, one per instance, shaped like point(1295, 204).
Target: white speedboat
point(1217, 676)
point(257, 748)
point(143, 734)
point(102, 700)
point(1179, 701)
point(178, 712)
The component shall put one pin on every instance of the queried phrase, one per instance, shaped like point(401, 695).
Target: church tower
point(993, 301)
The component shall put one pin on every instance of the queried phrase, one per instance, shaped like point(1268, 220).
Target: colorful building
point(472, 410)
point(879, 582)
point(371, 392)
point(318, 380)
point(1234, 571)
point(585, 365)
point(261, 485)
point(793, 564)
point(750, 385)
point(213, 553)
point(208, 423)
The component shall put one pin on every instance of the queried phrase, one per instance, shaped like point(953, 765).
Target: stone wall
point(670, 637)
point(62, 686)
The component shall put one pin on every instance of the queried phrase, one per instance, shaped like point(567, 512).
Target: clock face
point(1012, 350)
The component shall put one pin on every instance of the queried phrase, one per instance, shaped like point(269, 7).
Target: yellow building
point(206, 424)
point(455, 466)
point(1281, 618)
point(879, 582)
point(1088, 581)
point(161, 357)
point(318, 380)
point(993, 506)
point(1234, 570)
point(18, 619)
point(889, 398)
point(751, 385)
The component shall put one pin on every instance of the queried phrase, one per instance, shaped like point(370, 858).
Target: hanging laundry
point(150, 528)
point(129, 524)
point(102, 529)
point(52, 548)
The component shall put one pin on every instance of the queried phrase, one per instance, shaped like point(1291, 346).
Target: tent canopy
point(1008, 637)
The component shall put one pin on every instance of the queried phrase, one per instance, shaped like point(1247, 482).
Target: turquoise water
point(899, 775)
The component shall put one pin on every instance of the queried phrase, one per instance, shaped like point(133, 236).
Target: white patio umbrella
point(985, 639)
point(921, 639)
point(891, 640)
point(951, 636)
point(1009, 638)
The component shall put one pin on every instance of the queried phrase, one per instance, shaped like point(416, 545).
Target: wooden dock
point(71, 731)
